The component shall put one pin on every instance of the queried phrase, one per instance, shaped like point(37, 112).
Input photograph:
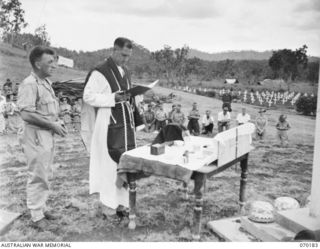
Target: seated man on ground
point(178, 116)
point(193, 124)
point(243, 117)
point(65, 113)
point(14, 122)
point(149, 119)
point(207, 123)
point(174, 107)
point(161, 117)
point(224, 119)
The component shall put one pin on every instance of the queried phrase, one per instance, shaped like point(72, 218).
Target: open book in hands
point(140, 89)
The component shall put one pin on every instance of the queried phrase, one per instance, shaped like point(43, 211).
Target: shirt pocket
point(48, 106)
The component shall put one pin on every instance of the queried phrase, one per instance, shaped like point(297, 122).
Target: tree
point(313, 72)
point(225, 68)
point(180, 64)
point(287, 64)
point(197, 67)
point(307, 105)
point(165, 62)
point(138, 70)
point(11, 18)
point(172, 63)
point(42, 36)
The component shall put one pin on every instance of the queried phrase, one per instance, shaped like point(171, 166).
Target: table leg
point(132, 201)
point(243, 182)
point(198, 183)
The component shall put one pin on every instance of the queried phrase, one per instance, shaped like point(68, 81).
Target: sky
point(206, 25)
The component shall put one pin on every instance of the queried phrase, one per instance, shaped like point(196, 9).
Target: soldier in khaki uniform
point(39, 109)
point(178, 116)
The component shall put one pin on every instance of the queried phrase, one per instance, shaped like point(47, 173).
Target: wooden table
point(199, 177)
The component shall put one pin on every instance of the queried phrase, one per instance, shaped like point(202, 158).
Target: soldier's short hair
point(37, 52)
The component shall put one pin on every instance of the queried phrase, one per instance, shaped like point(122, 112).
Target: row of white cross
point(263, 97)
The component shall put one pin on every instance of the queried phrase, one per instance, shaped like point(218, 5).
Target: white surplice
point(94, 131)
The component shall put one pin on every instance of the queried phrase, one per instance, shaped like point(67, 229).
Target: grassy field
point(163, 213)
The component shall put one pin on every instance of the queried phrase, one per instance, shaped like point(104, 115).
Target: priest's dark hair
point(37, 52)
point(122, 42)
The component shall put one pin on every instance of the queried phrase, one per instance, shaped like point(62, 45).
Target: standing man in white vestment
point(108, 122)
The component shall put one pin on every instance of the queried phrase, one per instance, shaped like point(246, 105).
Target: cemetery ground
point(162, 212)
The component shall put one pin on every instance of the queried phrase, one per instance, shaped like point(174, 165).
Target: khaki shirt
point(161, 115)
point(149, 116)
point(178, 118)
point(194, 114)
point(36, 95)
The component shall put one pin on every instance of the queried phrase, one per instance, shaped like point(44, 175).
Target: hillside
point(231, 55)
point(87, 60)
point(14, 65)
point(237, 55)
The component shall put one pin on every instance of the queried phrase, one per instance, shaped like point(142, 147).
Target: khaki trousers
point(38, 146)
point(283, 136)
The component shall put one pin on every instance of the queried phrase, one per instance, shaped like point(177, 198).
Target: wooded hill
point(240, 65)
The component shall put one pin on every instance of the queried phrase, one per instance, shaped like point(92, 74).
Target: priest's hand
point(121, 97)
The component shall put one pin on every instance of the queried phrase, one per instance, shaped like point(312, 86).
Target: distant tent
point(63, 61)
point(231, 81)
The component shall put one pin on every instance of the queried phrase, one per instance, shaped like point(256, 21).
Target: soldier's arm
point(37, 119)
point(288, 125)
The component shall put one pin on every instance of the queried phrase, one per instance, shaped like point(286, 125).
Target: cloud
point(311, 24)
point(208, 25)
point(184, 9)
point(308, 5)
point(306, 16)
